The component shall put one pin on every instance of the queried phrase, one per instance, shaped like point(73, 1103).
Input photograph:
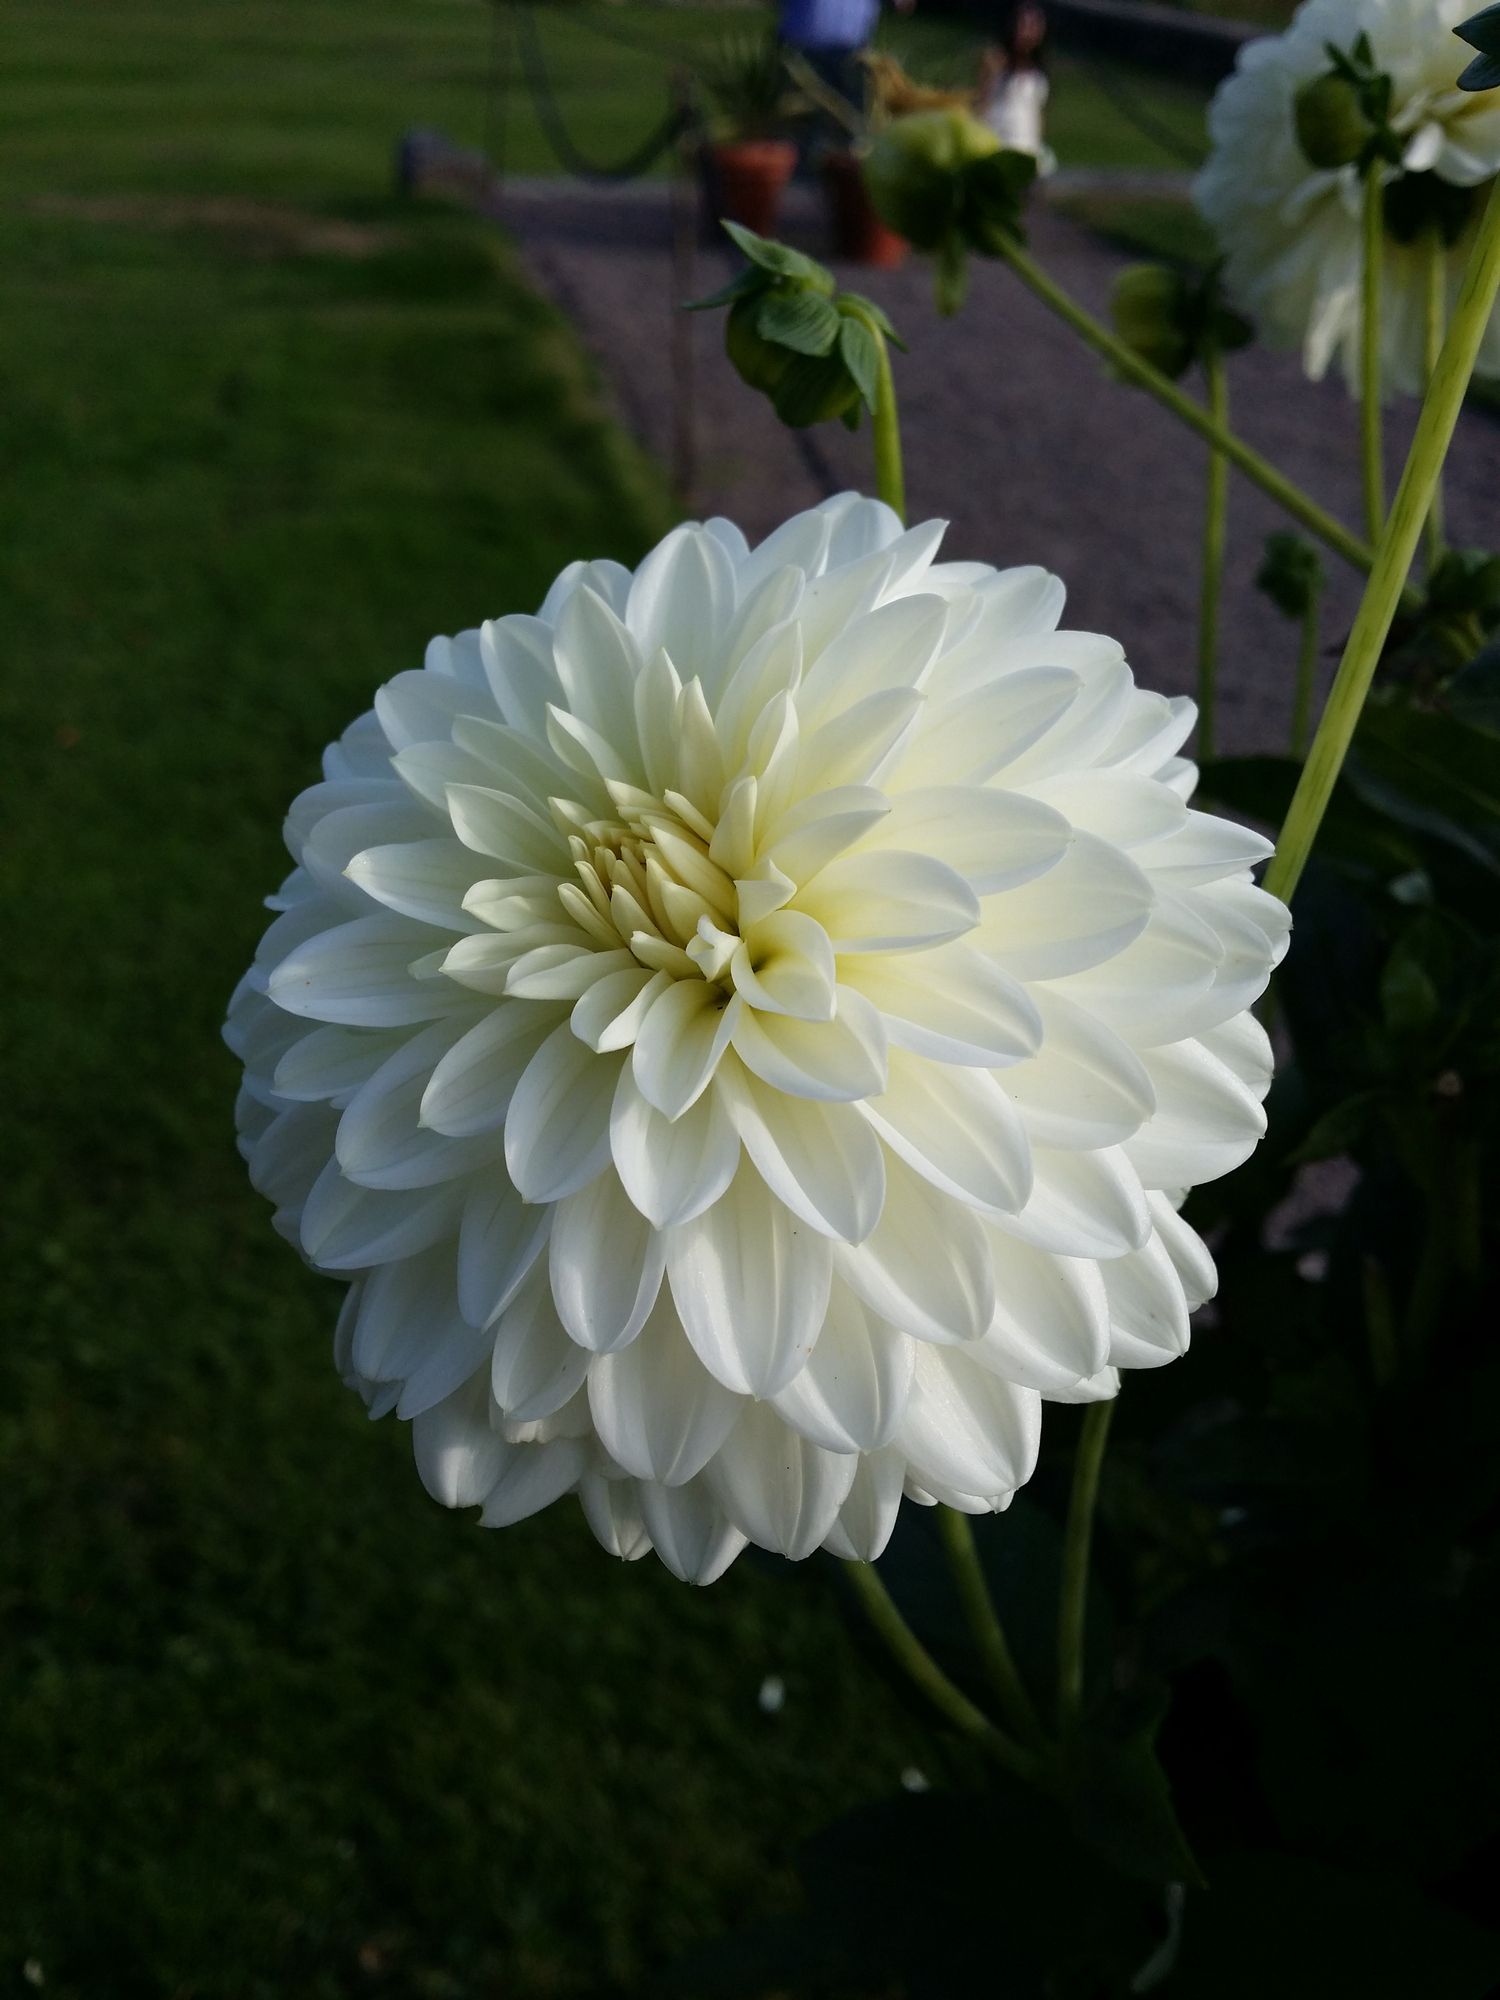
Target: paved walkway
point(1013, 433)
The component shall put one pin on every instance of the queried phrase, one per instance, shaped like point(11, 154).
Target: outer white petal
point(533, 1477)
point(821, 1159)
point(689, 1531)
point(557, 1128)
point(958, 1128)
point(612, 1508)
point(459, 1457)
point(851, 1393)
point(535, 1369)
point(751, 1284)
point(779, 1490)
point(658, 1411)
point(889, 901)
point(967, 1428)
point(1052, 1319)
point(870, 1507)
point(672, 1169)
point(947, 1297)
point(952, 1005)
point(607, 1264)
point(1148, 1311)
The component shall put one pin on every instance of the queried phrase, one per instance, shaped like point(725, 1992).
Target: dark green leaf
point(740, 286)
point(1408, 997)
point(1337, 1131)
point(875, 314)
point(1473, 695)
point(861, 353)
point(1291, 573)
point(1122, 1805)
point(1482, 30)
point(805, 322)
point(1482, 74)
point(778, 258)
point(1286, 1925)
point(1432, 773)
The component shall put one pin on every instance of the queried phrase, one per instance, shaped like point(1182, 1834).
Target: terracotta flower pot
point(748, 180)
point(858, 233)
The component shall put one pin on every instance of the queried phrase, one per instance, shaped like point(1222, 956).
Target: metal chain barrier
point(549, 113)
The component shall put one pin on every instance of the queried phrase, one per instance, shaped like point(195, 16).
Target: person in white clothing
point(1013, 85)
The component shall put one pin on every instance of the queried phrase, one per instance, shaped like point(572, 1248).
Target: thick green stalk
point(890, 479)
point(984, 1623)
point(1095, 334)
point(1372, 251)
point(1215, 509)
point(1436, 271)
point(907, 1650)
point(1394, 556)
point(1307, 668)
point(1077, 1541)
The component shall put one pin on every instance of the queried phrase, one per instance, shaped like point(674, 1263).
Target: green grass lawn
point(271, 1723)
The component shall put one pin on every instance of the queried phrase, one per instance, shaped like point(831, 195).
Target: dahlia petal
point(382, 1141)
point(821, 1159)
point(679, 1042)
point(400, 1306)
point(459, 1457)
point(1207, 1119)
point(1161, 986)
point(428, 769)
point(557, 1127)
point(957, 1128)
point(499, 824)
point(751, 1286)
point(472, 1084)
point(889, 901)
point(612, 1508)
point(1148, 1314)
point(1082, 1204)
point(500, 1239)
point(425, 879)
point(607, 1265)
point(771, 669)
point(934, 1298)
point(1100, 1388)
point(1085, 1087)
point(659, 1412)
point(531, 1478)
point(672, 1169)
point(951, 1005)
point(854, 746)
point(993, 839)
point(781, 1491)
point(419, 707)
point(596, 660)
point(338, 837)
point(609, 1015)
point(531, 772)
point(966, 1428)
point(888, 649)
point(1078, 914)
point(1189, 1255)
point(288, 1155)
point(967, 741)
point(357, 975)
point(682, 598)
point(835, 1060)
point(562, 971)
point(517, 656)
point(1122, 807)
point(349, 1228)
point(689, 1531)
point(1052, 1321)
point(850, 1395)
point(451, 1352)
point(332, 1063)
point(786, 966)
point(868, 1515)
point(818, 828)
point(535, 1368)
point(1205, 849)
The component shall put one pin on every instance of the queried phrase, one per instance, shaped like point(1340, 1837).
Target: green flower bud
point(1291, 574)
point(813, 389)
point(1154, 315)
point(914, 172)
point(758, 362)
point(1332, 128)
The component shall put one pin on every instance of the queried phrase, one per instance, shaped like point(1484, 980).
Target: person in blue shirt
point(830, 35)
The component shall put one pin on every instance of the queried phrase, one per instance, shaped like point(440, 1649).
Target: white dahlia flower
point(746, 1032)
point(1290, 232)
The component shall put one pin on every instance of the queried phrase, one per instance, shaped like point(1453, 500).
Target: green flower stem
point(1436, 272)
point(1393, 558)
point(907, 1650)
point(890, 480)
point(1077, 1540)
point(1215, 509)
point(1095, 334)
point(1372, 251)
point(984, 1623)
point(1307, 668)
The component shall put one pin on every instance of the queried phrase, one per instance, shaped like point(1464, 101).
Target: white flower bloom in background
point(1290, 231)
point(746, 1033)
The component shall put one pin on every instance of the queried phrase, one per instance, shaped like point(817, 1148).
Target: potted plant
point(748, 160)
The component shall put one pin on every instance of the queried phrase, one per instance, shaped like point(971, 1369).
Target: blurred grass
point(271, 1723)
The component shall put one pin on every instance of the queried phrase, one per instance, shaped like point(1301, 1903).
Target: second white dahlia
point(1290, 232)
point(746, 1032)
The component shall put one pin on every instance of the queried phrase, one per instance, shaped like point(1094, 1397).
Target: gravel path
point(1013, 433)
